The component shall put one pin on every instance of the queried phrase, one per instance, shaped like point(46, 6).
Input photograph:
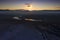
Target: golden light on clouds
point(41, 7)
point(30, 7)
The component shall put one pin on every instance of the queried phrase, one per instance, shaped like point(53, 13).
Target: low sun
point(28, 7)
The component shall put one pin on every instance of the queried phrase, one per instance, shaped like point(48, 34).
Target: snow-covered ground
point(24, 31)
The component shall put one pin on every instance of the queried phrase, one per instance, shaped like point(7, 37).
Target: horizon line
point(25, 9)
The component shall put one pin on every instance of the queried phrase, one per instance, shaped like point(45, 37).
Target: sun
point(28, 7)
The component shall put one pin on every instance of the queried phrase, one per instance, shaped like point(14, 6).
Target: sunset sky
point(34, 4)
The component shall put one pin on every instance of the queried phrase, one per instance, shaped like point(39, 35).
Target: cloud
point(30, 0)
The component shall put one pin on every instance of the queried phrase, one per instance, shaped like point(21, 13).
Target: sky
point(34, 4)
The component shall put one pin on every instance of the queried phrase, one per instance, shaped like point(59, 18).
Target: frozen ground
point(24, 31)
point(28, 30)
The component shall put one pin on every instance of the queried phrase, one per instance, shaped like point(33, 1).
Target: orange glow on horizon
point(31, 7)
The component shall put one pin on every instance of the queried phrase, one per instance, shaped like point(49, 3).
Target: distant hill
point(26, 10)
